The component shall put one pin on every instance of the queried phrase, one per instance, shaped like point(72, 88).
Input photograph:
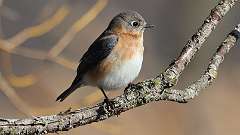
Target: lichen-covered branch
point(192, 46)
point(155, 89)
point(210, 74)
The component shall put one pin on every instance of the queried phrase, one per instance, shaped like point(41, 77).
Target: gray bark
point(155, 89)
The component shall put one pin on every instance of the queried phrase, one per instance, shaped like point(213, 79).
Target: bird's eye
point(134, 23)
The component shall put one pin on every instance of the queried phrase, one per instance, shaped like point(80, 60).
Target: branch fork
point(155, 89)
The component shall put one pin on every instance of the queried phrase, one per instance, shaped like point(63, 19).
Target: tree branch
point(210, 74)
point(192, 46)
point(155, 89)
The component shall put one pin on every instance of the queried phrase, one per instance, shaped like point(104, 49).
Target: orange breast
point(127, 47)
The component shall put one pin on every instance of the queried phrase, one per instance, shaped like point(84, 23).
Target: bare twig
point(77, 26)
point(15, 80)
point(11, 46)
point(81, 23)
point(38, 30)
point(175, 69)
point(14, 98)
point(65, 62)
point(141, 93)
point(53, 55)
point(6, 88)
point(210, 74)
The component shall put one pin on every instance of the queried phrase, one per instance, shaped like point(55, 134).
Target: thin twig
point(210, 74)
point(76, 27)
point(11, 46)
point(38, 30)
point(192, 46)
point(15, 80)
point(14, 98)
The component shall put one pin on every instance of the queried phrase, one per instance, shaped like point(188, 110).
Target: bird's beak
point(149, 26)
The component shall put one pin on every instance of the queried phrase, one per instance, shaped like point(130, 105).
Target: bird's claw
point(110, 106)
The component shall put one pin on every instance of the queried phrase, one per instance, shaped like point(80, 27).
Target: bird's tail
point(76, 84)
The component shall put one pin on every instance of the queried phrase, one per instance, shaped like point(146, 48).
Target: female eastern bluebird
point(115, 58)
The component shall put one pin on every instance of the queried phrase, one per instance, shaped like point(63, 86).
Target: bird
point(115, 58)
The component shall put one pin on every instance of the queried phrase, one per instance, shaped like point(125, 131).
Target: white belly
point(122, 74)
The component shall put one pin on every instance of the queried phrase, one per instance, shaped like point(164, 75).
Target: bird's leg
point(107, 101)
point(105, 95)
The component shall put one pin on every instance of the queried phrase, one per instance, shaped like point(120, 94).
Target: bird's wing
point(98, 51)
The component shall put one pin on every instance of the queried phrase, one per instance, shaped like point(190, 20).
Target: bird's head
point(130, 22)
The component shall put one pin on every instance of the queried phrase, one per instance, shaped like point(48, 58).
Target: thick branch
point(141, 93)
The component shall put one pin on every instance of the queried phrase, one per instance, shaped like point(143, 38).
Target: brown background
point(215, 112)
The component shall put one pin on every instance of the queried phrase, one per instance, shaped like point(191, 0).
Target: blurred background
point(41, 42)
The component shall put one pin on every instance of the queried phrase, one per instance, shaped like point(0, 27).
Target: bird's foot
point(110, 106)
